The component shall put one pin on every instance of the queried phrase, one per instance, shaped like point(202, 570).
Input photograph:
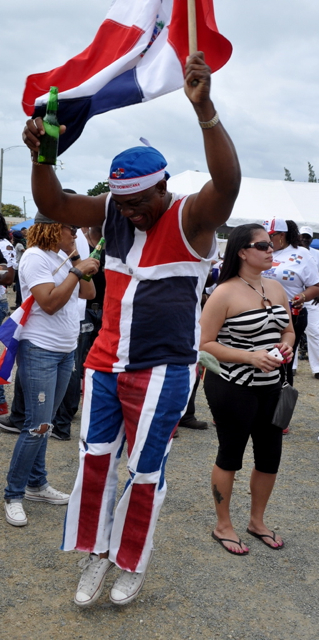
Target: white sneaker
point(92, 579)
point(47, 495)
point(15, 514)
point(127, 586)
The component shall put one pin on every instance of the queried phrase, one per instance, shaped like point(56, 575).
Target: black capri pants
point(240, 412)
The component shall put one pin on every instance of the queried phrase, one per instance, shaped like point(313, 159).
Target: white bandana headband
point(122, 186)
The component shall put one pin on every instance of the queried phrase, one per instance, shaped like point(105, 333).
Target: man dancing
point(141, 369)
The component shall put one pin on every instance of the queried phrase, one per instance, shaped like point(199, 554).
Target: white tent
point(261, 200)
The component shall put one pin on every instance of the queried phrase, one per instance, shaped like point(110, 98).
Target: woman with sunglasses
point(245, 318)
point(45, 354)
point(295, 269)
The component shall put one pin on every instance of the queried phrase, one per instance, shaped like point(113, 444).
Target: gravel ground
point(194, 589)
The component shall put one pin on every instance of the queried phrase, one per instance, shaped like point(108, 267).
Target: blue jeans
point(3, 312)
point(44, 377)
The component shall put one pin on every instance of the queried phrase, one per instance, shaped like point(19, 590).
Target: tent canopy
point(261, 200)
point(26, 223)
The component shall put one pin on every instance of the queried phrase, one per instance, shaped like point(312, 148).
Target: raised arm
point(47, 191)
point(212, 206)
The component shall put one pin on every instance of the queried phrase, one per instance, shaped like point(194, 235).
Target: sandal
point(222, 540)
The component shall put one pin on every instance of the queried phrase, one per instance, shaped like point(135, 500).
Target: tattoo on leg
point(217, 495)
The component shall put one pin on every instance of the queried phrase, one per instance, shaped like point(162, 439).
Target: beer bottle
point(96, 253)
point(48, 149)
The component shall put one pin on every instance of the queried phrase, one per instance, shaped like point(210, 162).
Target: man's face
point(144, 208)
point(305, 239)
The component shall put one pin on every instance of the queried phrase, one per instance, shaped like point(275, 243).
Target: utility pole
point(15, 146)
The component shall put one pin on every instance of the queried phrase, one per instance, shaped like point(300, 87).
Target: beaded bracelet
point(211, 123)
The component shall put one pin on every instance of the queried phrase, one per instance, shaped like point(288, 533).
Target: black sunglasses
point(261, 246)
point(72, 228)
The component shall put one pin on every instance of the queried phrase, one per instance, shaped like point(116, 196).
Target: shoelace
point(87, 581)
point(53, 492)
point(16, 508)
point(126, 579)
point(85, 562)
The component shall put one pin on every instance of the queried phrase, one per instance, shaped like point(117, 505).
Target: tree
point(311, 174)
point(100, 187)
point(11, 210)
point(288, 175)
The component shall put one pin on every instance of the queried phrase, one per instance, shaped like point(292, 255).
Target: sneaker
point(57, 436)
point(15, 514)
point(92, 579)
point(47, 495)
point(3, 409)
point(201, 425)
point(127, 586)
point(6, 424)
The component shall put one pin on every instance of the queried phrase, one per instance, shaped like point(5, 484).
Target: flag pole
point(192, 31)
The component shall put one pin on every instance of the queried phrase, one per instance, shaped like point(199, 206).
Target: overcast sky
point(266, 95)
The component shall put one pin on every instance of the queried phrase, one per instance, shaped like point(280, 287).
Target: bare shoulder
point(223, 293)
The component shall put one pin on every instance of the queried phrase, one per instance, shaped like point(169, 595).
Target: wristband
point(76, 272)
point(74, 258)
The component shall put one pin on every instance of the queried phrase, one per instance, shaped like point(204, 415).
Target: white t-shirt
point(83, 248)
point(295, 269)
point(315, 255)
point(19, 249)
point(9, 254)
point(60, 331)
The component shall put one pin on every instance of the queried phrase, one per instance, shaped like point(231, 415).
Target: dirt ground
point(194, 589)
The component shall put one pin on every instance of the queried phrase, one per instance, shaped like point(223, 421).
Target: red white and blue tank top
point(154, 284)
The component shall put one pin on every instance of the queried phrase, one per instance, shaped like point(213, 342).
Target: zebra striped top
point(252, 330)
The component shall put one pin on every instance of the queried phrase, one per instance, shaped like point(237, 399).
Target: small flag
point(10, 332)
point(138, 54)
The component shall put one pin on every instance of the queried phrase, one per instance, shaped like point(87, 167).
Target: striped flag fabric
point(10, 332)
point(138, 54)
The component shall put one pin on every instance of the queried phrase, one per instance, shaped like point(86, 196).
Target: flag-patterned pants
point(144, 408)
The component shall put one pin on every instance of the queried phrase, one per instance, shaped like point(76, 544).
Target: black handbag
point(285, 405)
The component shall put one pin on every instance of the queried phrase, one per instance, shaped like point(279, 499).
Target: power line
point(17, 191)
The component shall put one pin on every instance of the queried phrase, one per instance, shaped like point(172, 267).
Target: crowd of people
point(139, 336)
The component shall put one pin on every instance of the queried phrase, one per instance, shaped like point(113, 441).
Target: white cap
point(306, 230)
point(275, 225)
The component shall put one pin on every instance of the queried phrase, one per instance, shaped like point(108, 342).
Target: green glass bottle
point(48, 149)
point(96, 253)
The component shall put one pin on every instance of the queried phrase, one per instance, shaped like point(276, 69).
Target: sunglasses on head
point(260, 246)
point(72, 228)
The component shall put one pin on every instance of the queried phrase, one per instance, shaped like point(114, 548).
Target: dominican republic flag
point(138, 54)
point(10, 336)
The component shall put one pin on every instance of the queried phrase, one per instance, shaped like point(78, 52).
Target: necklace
point(262, 295)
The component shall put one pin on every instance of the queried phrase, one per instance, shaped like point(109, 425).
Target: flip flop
point(261, 537)
point(221, 540)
